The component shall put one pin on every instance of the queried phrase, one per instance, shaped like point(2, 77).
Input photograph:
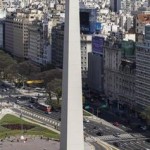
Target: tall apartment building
point(112, 60)
point(16, 31)
point(86, 47)
point(57, 45)
point(143, 70)
point(2, 35)
point(119, 71)
point(95, 72)
point(35, 51)
point(115, 5)
point(39, 47)
point(96, 65)
point(57, 48)
point(126, 6)
point(123, 5)
point(9, 34)
point(126, 82)
point(20, 37)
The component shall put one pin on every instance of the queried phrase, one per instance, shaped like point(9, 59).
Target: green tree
point(11, 72)
point(5, 61)
point(27, 69)
point(146, 114)
point(49, 75)
point(55, 87)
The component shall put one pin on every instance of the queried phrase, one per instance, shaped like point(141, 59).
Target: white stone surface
point(72, 114)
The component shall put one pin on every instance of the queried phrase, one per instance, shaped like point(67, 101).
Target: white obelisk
point(72, 113)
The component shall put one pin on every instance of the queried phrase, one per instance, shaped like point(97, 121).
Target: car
point(99, 133)
point(116, 134)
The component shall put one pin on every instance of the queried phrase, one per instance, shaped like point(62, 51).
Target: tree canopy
point(146, 114)
point(5, 60)
point(55, 87)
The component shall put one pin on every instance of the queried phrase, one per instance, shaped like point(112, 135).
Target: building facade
point(95, 72)
point(126, 83)
point(57, 45)
point(2, 34)
point(119, 71)
point(35, 52)
point(57, 48)
point(39, 50)
point(16, 31)
point(86, 47)
point(112, 60)
point(143, 70)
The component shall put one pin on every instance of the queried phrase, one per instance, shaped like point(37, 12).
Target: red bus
point(44, 107)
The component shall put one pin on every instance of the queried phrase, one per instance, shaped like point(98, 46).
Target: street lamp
point(22, 137)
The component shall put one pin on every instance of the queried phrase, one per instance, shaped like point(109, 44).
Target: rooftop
point(144, 18)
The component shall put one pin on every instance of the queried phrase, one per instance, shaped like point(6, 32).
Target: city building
point(143, 70)
point(86, 47)
point(119, 71)
point(95, 73)
point(112, 61)
point(141, 20)
point(115, 5)
point(39, 47)
point(126, 83)
point(16, 33)
point(2, 34)
point(57, 48)
point(88, 17)
point(57, 45)
point(96, 65)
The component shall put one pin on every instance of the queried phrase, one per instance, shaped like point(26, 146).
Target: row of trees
point(146, 114)
point(12, 70)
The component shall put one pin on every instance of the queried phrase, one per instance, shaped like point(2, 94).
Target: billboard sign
point(147, 32)
point(98, 26)
point(87, 20)
point(97, 44)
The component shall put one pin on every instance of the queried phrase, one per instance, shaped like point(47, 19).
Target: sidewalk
point(88, 146)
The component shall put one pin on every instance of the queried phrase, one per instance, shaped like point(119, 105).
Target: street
point(122, 136)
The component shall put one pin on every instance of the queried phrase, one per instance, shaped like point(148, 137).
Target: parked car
point(99, 133)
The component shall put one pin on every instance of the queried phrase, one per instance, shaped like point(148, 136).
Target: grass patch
point(85, 113)
point(13, 120)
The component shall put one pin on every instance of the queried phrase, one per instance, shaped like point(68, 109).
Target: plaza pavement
point(32, 143)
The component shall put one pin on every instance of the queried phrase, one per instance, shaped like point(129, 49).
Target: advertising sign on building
point(97, 44)
point(87, 20)
point(147, 32)
point(98, 27)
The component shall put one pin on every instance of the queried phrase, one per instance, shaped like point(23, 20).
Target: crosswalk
point(120, 137)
